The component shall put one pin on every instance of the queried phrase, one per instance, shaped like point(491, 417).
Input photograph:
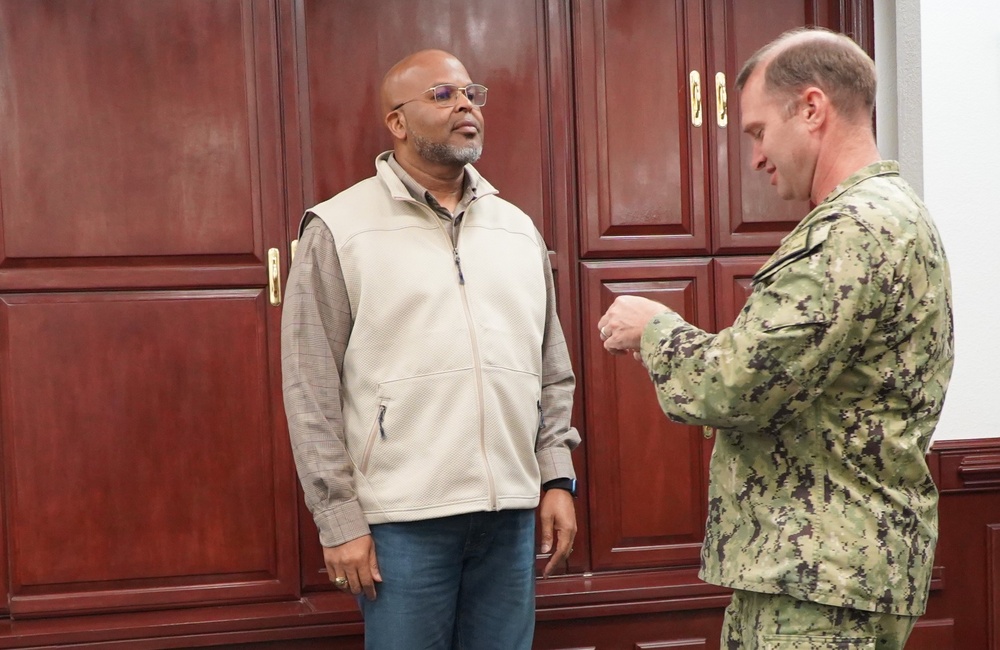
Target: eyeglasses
point(446, 95)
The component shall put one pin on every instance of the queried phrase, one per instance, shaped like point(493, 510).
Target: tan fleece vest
point(442, 379)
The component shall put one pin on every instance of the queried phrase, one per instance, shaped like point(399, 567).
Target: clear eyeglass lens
point(447, 94)
point(476, 94)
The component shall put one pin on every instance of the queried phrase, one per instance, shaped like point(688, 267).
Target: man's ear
point(396, 123)
point(814, 107)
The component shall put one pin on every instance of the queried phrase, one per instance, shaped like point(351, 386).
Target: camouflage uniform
point(825, 391)
point(757, 621)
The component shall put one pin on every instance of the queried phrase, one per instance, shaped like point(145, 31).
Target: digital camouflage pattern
point(757, 621)
point(825, 391)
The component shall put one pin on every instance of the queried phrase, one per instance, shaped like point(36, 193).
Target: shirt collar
point(880, 168)
point(403, 186)
point(400, 192)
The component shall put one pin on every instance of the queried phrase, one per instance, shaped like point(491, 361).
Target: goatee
point(447, 154)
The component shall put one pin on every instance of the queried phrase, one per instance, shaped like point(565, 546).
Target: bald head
point(415, 74)
point(832, 62)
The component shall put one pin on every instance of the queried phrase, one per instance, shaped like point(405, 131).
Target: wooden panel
point(734, 284)
point(642, 186)
point(698, 628)
point(750, 217)
point(504, 45)
point(932, 635)
point(683, 644)
point(642, 513)
point(145, 463)
point(160, 154)
point(968, 464)
point(967, 549)
point(993, 584)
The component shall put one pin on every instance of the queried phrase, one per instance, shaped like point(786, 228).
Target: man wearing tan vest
point(427, 383)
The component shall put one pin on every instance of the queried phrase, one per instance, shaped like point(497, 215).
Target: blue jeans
point(457, 583)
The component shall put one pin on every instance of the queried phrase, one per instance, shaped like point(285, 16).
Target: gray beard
point(447, 154)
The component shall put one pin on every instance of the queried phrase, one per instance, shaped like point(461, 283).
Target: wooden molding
point(932, 634)
point(683, 644)
point(626, 592)
point(968, 464)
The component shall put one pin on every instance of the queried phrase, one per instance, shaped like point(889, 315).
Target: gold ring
point(604, 334)
point(340, 582)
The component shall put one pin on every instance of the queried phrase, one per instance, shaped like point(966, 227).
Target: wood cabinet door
point(733, 285)
point(647, 473)
point(749, 217)
point(144, 455)
point(519, 49)
point(641, 156)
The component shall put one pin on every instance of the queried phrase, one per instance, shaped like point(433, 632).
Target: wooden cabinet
point(152, 154)
point(664, 174)
point(145, 460)
point(664, 166)
point(646, 472)
point(643, 174)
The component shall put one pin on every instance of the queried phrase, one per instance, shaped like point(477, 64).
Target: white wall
point(942, 60)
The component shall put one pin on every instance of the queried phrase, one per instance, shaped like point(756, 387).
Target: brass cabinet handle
point(695, 79)
point(274, 276)
point(295, 244)
point(721, 100)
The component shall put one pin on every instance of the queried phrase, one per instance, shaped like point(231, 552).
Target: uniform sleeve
point(805, 322)
point(315, 328)
point(556, 437)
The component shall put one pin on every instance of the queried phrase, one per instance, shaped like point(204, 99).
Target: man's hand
point(621, 326)
point(354, 561)
point(557, 516)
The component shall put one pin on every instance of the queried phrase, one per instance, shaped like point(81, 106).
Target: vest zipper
point(477, 363)
point(458, 264)
point(476, 360)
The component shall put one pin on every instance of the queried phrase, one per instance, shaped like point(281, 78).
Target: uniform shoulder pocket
point(797, 246)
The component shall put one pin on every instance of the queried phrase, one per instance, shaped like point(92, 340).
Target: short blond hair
point(832, 62)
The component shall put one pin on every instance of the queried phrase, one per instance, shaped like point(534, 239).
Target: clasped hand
point(622, 325)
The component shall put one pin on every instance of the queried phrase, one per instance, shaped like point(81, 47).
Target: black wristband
point(568, 484)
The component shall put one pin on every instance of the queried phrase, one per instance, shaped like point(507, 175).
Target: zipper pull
point(458, 264)
point(381, 417)
point(541, 417)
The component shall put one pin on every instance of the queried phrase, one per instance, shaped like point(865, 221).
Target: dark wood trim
point(684, 644)
point(333, 614)
point(626, 592)
point(968, 465)
point(993, 585)
point(932, 634)
point(324, 615)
